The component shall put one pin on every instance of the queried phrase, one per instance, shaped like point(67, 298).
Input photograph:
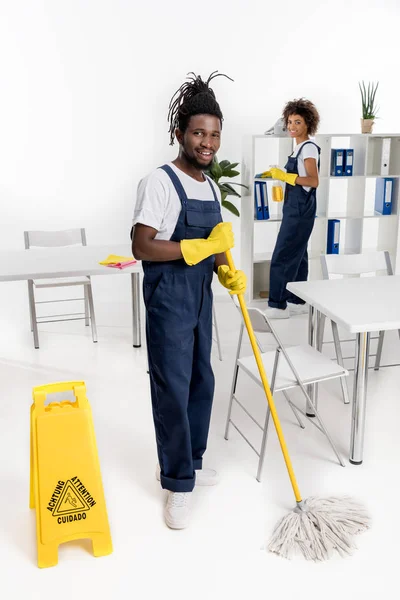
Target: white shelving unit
point(350, 199)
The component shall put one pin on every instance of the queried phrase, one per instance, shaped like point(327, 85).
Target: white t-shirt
point(310, 151)
point(158, 205)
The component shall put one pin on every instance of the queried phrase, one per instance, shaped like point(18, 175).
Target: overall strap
point(212, 188)
point(179, 187)
point(314, 144)
point(177, 183)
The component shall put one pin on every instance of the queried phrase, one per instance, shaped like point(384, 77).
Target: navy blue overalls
point(178, 301)
point(290, 258)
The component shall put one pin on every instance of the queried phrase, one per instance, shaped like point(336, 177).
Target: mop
point(317, 526)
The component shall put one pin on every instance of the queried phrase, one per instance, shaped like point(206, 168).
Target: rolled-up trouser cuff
point(281, 305)
point(177, 485)
point(197, 464)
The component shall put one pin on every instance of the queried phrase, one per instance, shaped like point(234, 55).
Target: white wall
point(85, 86)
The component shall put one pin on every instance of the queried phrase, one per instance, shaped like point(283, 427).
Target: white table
point(72, 261)
point(360, 305)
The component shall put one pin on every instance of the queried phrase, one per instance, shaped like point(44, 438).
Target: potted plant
point(217, 171)
point(369, 108)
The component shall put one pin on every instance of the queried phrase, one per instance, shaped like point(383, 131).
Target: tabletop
point(361, 304)
point(68, 261)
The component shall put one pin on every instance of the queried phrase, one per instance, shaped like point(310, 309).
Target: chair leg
point(321, 330)
point(233, 389)
point(310, 405)
point(33, 314)
point(339, 358)
point(267, 415)
point(87, 311)
point(92, 315)
point(379, 350)
point(294, 411)
point(322, 426)
point(30, 307)
point(263, 445)
point(314, 321)
point(215, 324)
point(234, 382)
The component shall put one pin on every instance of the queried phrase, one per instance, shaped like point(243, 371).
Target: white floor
point(222, 554)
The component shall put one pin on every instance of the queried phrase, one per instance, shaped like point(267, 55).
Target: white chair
point(215, 330)
point(286, 368)
point(353, 265)
point(47, 239)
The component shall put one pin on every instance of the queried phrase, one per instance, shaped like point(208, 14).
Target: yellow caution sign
point(65, 484)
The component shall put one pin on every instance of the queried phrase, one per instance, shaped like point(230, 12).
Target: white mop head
point(318, 526)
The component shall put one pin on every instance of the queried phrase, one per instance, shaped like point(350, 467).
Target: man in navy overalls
point(290, 257)
point(181, 240)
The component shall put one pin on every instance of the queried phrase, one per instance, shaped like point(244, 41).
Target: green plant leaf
point(229, 190)
point(229, 206)
point(223, 164)
point(241, 184)
point(230, 173)
point(216, 170)
point(227, 168)
point(368, 95)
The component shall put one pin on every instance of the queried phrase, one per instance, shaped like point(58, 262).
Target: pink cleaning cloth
point(122, 265)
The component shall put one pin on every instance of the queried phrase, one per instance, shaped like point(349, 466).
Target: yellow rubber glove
point(263, 175)
point(234, 281)
point(219, 240)
point(289, 178)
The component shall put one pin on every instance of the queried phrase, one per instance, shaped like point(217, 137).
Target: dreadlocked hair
point(305, 109)
point(194, 97)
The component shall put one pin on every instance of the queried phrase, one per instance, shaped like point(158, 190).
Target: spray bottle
point(277, 190)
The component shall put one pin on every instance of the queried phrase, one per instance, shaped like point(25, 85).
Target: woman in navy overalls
point(290, 258)
point(178, 273)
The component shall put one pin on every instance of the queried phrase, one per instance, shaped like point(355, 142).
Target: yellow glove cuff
point(291, 178)
point(194, 251)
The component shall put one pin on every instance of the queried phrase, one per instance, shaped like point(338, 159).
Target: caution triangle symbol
point(70, 501)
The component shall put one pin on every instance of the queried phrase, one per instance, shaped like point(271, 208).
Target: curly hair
point(194, 97)
point(305, 109)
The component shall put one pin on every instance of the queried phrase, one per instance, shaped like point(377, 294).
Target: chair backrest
point(54, 239)
point(257, 318)
point(261, 324)
point(356, 264)
point(258, 321)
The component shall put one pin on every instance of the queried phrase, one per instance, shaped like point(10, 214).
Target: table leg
point(32, 308)
point(359, 398)
point(135, 281)
point(313, 322)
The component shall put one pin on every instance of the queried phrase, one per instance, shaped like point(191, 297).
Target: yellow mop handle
point(265, 383)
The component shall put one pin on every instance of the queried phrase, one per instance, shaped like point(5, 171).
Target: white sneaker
point(298, 309)
point(203, 476)
point(277, 313)
point(206, 477)
point(177, 509)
